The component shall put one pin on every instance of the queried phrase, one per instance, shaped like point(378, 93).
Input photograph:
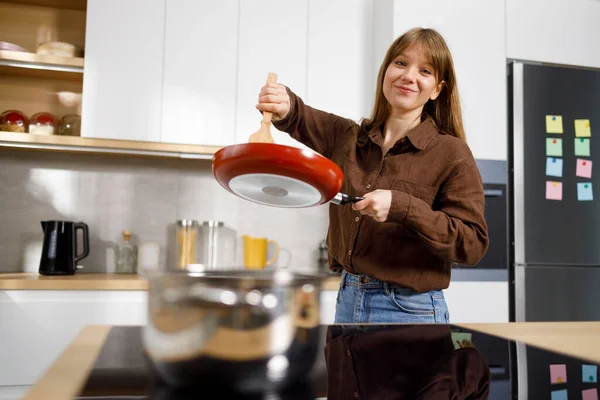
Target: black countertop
point(373, 362)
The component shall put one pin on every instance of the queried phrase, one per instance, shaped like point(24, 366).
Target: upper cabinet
point(339, 77)
point(272, 38)
point(554, 31)
point(475, 33)
point(200, 72)
point(123, 70)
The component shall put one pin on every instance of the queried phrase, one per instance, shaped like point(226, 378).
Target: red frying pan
point(275, 175)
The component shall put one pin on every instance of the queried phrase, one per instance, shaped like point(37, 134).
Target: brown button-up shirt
point(437, 211)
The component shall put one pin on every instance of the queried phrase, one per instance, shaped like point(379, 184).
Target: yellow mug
point(255, 252)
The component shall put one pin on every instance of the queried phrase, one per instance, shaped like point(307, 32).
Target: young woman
point(424, 202)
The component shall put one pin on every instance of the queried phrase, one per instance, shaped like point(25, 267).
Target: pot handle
point(227, 298)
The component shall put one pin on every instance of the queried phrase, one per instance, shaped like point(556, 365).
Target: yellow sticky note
point(583, 128)
point(554, 124)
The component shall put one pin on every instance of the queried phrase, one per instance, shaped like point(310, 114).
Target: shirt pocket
point(421, 191)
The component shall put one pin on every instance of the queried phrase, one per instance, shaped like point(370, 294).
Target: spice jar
point(13, 121)
point(42, 123)
point(187, 233)
point(70, 125)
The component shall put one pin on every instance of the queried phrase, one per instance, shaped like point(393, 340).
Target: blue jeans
point(362, 299)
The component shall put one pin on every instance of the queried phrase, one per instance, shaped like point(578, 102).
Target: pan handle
point(271, 78)
point(341, 198)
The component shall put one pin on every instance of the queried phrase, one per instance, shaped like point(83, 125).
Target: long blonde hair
point(445, 110)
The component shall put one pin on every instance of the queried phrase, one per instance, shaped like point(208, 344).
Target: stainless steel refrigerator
point(554, 208)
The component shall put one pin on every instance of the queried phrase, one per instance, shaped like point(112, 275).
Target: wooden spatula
point(264, 133)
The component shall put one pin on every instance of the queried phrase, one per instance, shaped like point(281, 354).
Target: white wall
point(554, 31)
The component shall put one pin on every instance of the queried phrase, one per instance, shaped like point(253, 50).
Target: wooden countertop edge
point(66, 376)
point(574, 339)
point(24, 281)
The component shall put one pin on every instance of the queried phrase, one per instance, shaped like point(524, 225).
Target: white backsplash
point(112, 193)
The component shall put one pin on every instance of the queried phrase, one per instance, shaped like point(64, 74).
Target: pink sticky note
point(558, 373)
point(589, 394)
point(584, 168)
point(553, 190)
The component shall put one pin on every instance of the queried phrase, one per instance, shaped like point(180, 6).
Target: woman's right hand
point(274, 98)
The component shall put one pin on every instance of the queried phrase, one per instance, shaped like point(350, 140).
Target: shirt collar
point(422, 134)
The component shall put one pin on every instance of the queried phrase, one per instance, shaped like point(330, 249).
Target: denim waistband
point(362, 281)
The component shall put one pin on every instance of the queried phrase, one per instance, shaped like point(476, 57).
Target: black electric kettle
point(59, 252)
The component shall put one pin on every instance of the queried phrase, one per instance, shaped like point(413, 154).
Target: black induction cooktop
point(373, 362)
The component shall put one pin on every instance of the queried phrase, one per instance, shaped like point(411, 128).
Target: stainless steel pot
point(251, 330)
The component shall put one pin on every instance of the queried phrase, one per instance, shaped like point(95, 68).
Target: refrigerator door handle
point(492, 192)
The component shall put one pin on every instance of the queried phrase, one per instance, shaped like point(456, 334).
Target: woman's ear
point(437, 91)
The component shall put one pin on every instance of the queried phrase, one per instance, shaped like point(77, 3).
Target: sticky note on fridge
point(554, 166)
point(582, 147)
point(554, 147)
point(559, 395)
point(583, 128)
point(589, 373)
point(584, 191)
point(553, 190)
point(584, 168)
point(558, 373)
point(589, 394)
point(461, 340)
point(554, 124)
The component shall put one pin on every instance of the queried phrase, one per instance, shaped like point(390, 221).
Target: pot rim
point(247, 278)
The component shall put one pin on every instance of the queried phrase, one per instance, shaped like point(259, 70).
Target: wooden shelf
point(79, 144)
point(80, 5)
point(18, 63)
point(82, 281)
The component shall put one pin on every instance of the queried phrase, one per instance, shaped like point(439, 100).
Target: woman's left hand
point(376, 204)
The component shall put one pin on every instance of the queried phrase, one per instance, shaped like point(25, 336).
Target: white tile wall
point(143, 195)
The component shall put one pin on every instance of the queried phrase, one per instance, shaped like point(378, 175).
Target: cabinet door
point(122, 82)
point(339, 78)
point(475, 33)
point(199, 87)
point(553, 31)
point(272, 38)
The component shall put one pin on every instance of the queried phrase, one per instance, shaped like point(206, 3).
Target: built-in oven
point(494, 176)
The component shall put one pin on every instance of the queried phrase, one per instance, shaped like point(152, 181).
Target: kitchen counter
point(83, 281)
point(101, 356)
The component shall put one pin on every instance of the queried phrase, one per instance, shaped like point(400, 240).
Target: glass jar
point(70, 125)
point(13, 121)
point(42, 123)
point(217, 246)
point(126, 255)
point(187, 235)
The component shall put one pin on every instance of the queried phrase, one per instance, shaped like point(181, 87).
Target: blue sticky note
point(584, 191)
point(559, 394)
point(589, 373)
point(554, 166)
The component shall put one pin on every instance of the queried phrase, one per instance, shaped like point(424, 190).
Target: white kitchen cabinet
point(553, 31)
point(475, 32)
point(339, 75)
point(122, 84)
point(38, 324)
point(272, 38)
point(200, 72)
